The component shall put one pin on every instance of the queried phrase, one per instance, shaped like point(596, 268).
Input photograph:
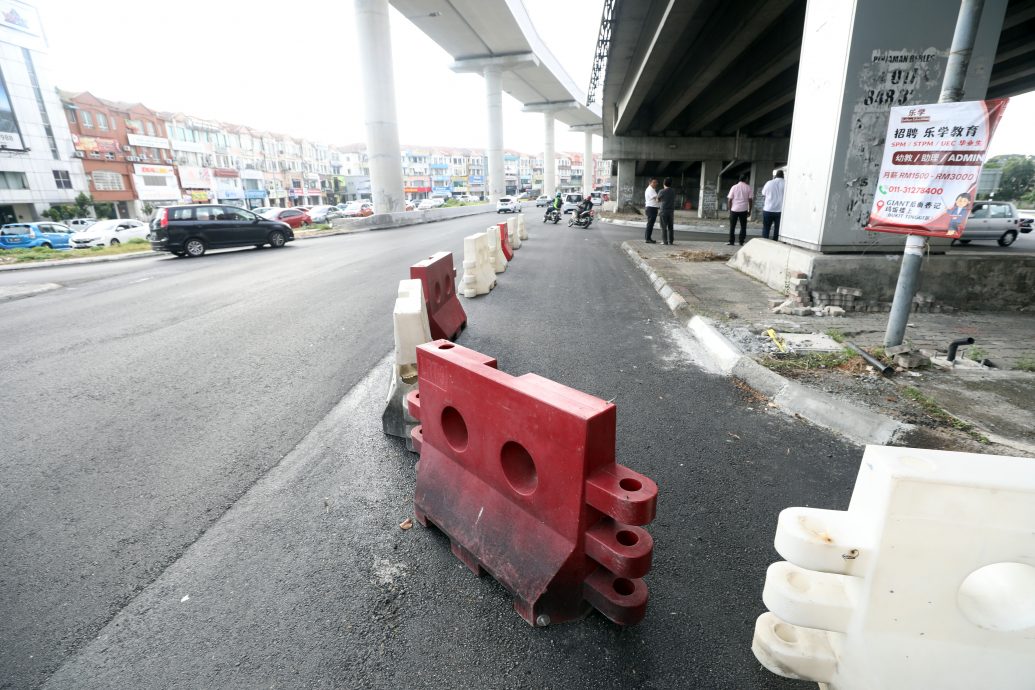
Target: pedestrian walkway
point(999, 402)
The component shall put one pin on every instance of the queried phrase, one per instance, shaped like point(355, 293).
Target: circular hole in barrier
point(1000, 596)
point(446, 346)
point(630, 484)
point(438, 292)
point(786, 633)
point(455, 429)
point(518, 468)
point(627, 538)
point(623, 586)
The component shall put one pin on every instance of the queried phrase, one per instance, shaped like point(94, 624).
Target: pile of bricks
point(801, 301)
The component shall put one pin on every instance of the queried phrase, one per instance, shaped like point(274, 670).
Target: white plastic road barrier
point(499, 260)
point(410, 318)
point(522, 232)
point(478, 277)
point(926, 581)
point(513, 234)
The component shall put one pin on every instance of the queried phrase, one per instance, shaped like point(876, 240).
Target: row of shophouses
point(132, 155)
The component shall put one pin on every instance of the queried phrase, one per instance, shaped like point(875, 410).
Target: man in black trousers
point(650, 207)
point(667, 199)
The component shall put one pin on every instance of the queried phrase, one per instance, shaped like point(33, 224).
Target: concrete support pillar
point(625, 191)
point(549, 157)
point(707, 198)
point(761, 172)
point(855, 65)
point(496, 186)
point(375, 54)
point(587, 164)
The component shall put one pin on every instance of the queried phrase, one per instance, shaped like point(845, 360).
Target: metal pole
point(952, 90)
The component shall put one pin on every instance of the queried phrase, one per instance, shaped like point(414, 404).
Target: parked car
point(993, 220)
point(598, 198)
point(542, 200)
point(192, 230)
point(109, 233)
point(570, 202)
point(426, 204)
point(30, 235)
point(508, 204)
point(261, 210)
point(323, 214)
point(358, 209)
point(294, 217)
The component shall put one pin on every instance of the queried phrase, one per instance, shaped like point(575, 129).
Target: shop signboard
point(932, 164)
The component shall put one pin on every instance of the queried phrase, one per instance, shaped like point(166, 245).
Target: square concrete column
point(494, 153)
point(858, 59)
point(625, 191)
point(708, 193)
point(761, 172)
point(587, 164)
point(549, 157)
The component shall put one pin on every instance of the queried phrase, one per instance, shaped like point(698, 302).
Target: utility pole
point(952, 91)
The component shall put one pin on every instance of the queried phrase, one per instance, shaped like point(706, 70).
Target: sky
point(256, 63)
point(281, 68)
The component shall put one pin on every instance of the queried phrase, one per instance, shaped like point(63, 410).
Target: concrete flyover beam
point(679, 26)
point(591, 129)
point(501, 62)
point(549, 107)
point(695, 148)
point(734, 29)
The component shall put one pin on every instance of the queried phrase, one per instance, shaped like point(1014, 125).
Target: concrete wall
point(971, 281)
point(403, 218)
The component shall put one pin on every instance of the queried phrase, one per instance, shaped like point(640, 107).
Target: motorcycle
point(552, 214)
point(576, 222)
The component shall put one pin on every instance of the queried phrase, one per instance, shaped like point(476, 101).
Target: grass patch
point(836, 334)
point(1026, 363)
point(935, 411)
point(15, 256)
point(977, 354)
point(813, 360)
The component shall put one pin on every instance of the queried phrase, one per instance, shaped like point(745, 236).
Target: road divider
point(411, 326)
point(504, 230)
point(438, 277)
point(520, 474)
point(926, 581)
point(479, 277)
point(513, 233)
point(522, 232)
point(496, 254)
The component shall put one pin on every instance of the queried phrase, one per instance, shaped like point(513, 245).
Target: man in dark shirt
point(667, 199)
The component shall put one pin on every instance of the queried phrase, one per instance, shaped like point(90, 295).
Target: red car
point(294, 217)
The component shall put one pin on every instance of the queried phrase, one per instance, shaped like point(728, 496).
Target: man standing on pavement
point(667, 199)
point(740, 206)
point(651, 207)
point(773, 205)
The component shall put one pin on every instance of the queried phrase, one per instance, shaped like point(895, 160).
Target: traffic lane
point(309, 582)
point(151, 398)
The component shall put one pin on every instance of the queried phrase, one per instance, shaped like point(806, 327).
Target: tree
point(83, 203)
point(1018, 178)
point(148, 208)
point(60, 212)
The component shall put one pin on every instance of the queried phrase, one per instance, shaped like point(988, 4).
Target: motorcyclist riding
point(557, 202)
point(585, 207)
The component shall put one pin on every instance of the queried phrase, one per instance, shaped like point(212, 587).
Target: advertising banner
point(195, 178)
point(10, 135)
point(143, 140)
point(932, 163)
point(95, 144)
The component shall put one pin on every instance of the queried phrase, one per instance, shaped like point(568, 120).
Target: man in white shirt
point(773, 205)
point(740, 199)
point(651, 206)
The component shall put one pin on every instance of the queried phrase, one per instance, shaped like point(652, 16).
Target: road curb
point(855, 423)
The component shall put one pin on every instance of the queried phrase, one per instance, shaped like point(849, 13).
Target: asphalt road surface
point(195, 490)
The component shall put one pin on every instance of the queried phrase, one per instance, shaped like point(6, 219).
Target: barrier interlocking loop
point(520, 473)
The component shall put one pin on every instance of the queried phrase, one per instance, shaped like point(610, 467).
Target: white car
point(508, 204)
point(109, 233)
point(433, 202)
point(324, 214)
point(542, 200)
point(77, 224)
point(570, 202)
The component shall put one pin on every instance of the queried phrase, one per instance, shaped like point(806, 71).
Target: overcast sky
point(294, 69)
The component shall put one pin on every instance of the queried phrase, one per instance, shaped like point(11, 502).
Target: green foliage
point(83, 203)
point(836, 335)
point(1026, 363)
point(935, 411)
point(976, 353)
point(1018, 183)
point(104, 211)
point(60, 212)
point(148, 208)
point(815, 360)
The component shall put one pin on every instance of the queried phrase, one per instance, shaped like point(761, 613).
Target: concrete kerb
point(857, 424)
point(384, 221)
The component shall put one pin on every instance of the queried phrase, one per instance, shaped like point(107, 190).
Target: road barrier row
point(412, 328)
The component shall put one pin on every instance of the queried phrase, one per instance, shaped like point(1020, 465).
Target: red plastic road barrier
point(438, 276)
point(520, 474)
point(505, 241)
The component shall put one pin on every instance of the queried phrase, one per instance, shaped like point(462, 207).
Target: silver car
point(993, 220)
